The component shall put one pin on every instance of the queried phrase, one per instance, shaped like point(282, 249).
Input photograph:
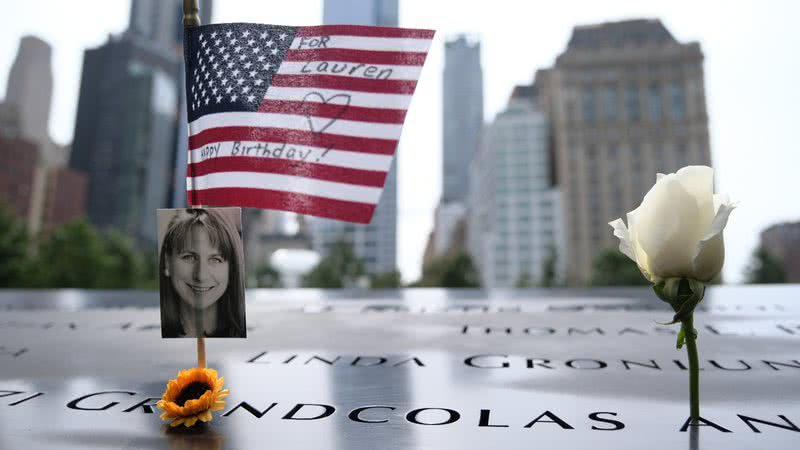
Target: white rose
point(677, 230)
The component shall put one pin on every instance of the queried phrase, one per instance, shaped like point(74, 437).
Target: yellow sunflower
point(192, 396)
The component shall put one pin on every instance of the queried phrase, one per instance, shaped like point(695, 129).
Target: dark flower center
point(192, 391)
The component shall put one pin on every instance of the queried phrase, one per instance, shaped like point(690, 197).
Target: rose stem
point(694, 370)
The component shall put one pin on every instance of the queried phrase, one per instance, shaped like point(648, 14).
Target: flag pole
point(191, 14)
point(191, 19)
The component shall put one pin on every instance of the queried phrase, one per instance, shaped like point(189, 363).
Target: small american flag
point(302, 119)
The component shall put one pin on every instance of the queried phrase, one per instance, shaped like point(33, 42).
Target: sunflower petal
point(172, 408)
point(176, 422)
point(195, 409)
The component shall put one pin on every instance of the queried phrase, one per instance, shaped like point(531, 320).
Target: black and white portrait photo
point(201, 272)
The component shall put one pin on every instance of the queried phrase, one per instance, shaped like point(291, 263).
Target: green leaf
point(681, 338)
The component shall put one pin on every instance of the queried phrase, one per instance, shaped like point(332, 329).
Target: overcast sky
point(752, 69)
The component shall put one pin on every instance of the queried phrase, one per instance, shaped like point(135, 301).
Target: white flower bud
point(677, 230)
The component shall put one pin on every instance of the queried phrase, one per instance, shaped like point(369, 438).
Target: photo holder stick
point(201, 352)
point(191, 18)
point(201, 340)
point(177, 409)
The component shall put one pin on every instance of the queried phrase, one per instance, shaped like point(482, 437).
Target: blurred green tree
point(148, 275)
point(765, 268)
point(611, 268)
point(525, 280)
point(266, 276)
point(450, 271)
point(338, 269)
point(549, 269)
point(386, 280)
point(14, 251)
point(76, 255)
point(125, 267)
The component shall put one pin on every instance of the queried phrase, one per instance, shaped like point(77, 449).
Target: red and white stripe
point(340, 157)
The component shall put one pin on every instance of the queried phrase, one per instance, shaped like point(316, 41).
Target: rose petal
point(621, 232)
point(699, 183)
point(667, 228)
point(719, 200)
point(639, 254)
point(710, 254)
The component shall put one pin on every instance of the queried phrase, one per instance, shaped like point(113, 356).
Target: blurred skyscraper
point(376, 243)
point(625, 100)
point(130, 135)
point(514, 220)
point(127, 120)
point(160, 22)
point(462, 120)
point(462, 117)
point(178, 197)
point(361, 12)
point(41, 191)
point(30, 89)
point(16, 180)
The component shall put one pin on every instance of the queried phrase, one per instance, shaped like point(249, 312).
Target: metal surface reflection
point(407, 369)
point(201, 437)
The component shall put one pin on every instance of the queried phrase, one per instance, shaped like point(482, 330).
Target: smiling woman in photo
point(202, 275)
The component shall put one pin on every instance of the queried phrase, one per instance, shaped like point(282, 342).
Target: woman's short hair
point(224, 236)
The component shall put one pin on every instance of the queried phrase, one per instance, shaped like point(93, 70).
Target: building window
point(677, 100)
point(682, 154)
point(588, 102)
point(613, 152)
point(632, 103)
point(610, 103)
point(591, 153)
point(654, 101)
point(660, 159)
point(571, 110)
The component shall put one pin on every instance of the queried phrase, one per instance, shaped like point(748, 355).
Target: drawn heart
point(318, 125)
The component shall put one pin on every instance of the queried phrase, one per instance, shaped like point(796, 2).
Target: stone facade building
point(625, 100)
point(783, 242)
